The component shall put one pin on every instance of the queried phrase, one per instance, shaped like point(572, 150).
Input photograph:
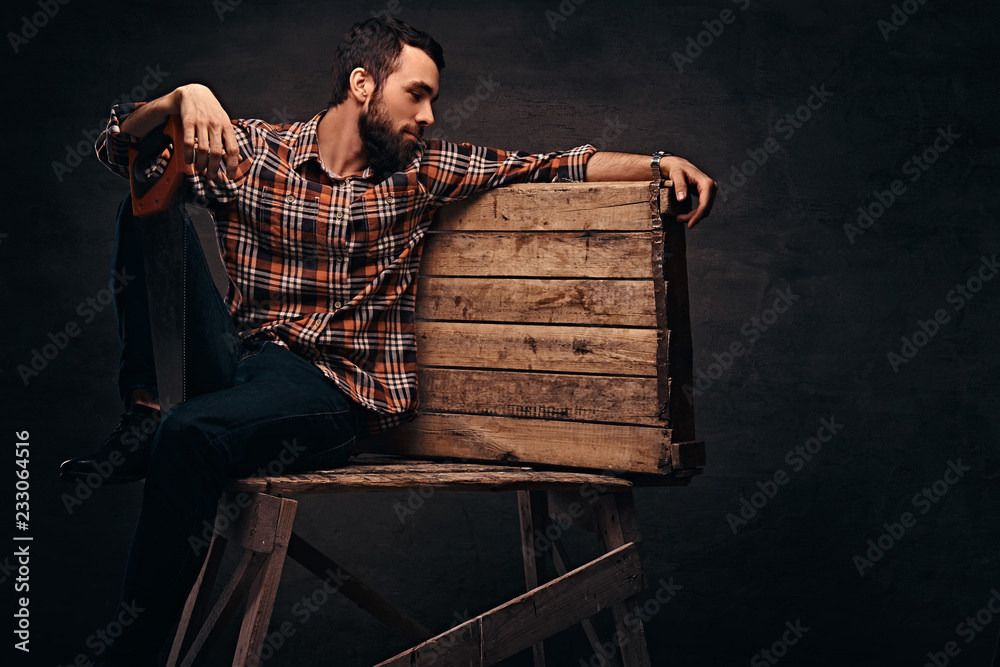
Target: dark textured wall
point(606, 74)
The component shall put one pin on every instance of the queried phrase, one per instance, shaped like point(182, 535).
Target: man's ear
point(362, 85)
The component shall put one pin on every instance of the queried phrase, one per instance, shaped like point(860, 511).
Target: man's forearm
point(151, 115)
point(605, 166)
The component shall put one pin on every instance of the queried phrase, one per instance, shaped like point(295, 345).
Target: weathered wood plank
point(553, 301)
point(388, 480)
point(400, 466)
point(563, 565)
point(255, 526)
point(604, 350)
point(621, 400)
point(260, 601)
point(611, 447)
point(551, 207)
point(690, 454)
point(516, 625)
point(196, 607)
point(533, 510)
point(533, 254)
point(628, 622)
point(226, 606)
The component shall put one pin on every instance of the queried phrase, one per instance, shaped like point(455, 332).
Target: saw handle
point(154, 194)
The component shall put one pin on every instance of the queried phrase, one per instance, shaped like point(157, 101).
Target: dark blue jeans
point(259, 408)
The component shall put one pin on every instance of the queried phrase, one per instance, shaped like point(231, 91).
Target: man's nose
point(425, 117)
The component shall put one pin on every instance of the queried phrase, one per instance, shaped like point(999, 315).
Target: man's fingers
point(202, 144)
point(189, 137)
point(706, 198)
point(679, 179)
point(232, 150)
point(215, 151)
point(705, 187)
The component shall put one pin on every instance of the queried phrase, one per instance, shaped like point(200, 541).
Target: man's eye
point(416, 97)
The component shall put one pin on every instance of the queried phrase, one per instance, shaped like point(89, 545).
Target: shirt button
point(337, 304)
point(290, 199)
point(388, 199)
point(339, 215)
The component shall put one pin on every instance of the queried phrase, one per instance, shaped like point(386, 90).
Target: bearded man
point(320, 225)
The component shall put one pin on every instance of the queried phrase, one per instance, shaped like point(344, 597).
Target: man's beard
point(389, 151)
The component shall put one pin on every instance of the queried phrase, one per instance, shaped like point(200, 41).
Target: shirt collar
point(303, 144)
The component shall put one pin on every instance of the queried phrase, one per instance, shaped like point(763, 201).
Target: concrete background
point(563, 83)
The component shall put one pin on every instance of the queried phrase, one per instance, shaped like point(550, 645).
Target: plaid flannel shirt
point(326, 266)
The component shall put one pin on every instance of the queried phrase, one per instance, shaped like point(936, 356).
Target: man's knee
point(181, 441)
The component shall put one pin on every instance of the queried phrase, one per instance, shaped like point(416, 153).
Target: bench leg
point(197, 602)
point(262, 532)
point(260, 603)
point(533, 510)
point(616, 525)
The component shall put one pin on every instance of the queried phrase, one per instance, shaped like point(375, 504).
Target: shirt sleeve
point(454, 171)
point(112, 150)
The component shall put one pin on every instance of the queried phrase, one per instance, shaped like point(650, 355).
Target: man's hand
point(605, 166)
point(206, 124)
point(208, 129)
point(685, 176)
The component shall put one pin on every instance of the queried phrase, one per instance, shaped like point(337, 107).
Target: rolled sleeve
point(113, 144)
point(454, 171)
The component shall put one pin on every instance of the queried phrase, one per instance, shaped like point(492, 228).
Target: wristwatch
point(654, 164)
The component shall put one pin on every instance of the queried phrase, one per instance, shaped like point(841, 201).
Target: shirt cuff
point(574, 169)
point(113, 144)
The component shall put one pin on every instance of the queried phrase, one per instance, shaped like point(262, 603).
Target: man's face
point(399, 110)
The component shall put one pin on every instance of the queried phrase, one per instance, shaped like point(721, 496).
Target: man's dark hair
point(375, 45)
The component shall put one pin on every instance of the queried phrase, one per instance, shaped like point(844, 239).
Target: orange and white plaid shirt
point(326, 266)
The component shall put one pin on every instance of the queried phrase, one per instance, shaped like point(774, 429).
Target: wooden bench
point(553, 342)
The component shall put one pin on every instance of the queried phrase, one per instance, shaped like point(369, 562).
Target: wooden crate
point(553, 328)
